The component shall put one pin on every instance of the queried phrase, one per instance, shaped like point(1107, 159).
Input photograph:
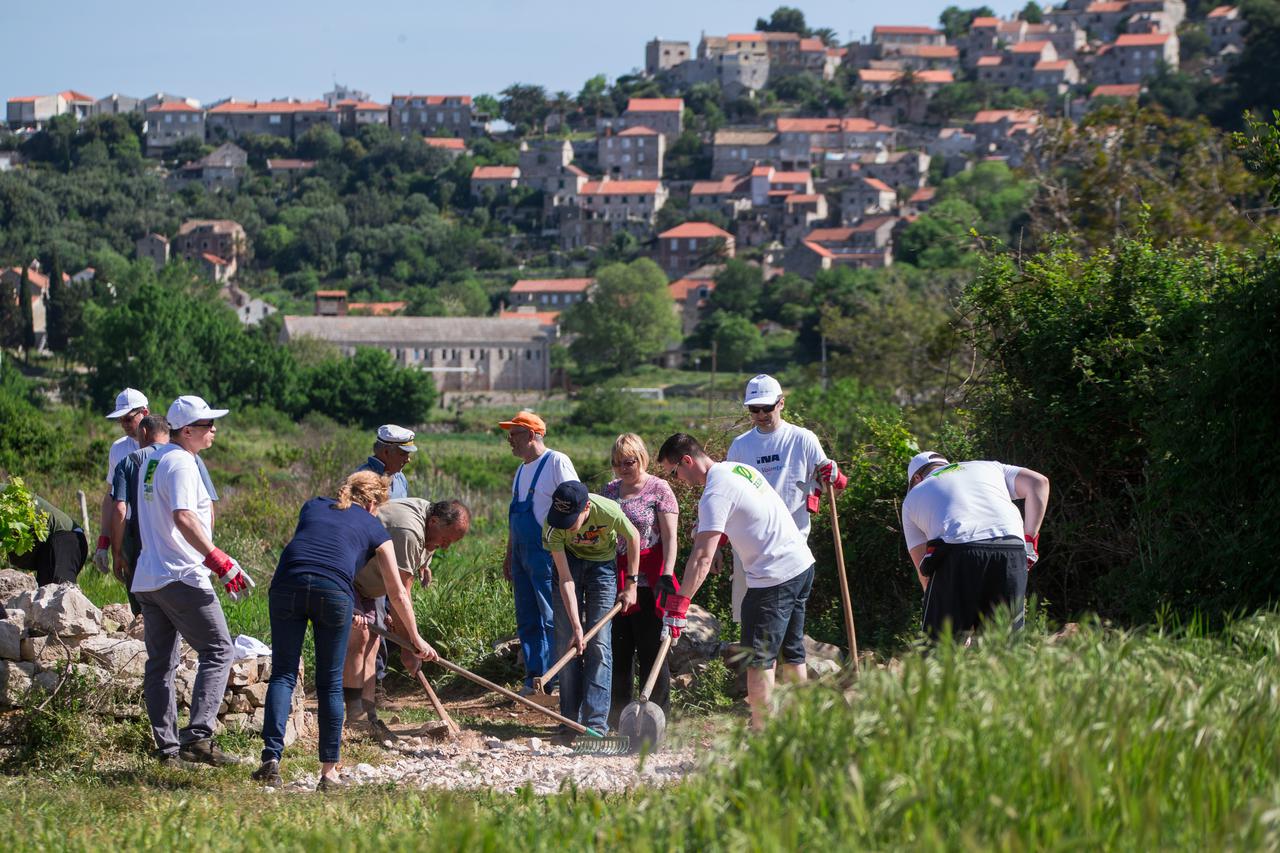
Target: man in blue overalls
point(528, 565)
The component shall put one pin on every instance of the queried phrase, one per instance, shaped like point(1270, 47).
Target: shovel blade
point(645, 724)
point(546, 700)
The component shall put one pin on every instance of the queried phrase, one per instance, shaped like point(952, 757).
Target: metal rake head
point(593, 743)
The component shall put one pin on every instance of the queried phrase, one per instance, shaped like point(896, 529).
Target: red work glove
point(235, 580)
point(829, 473)
point(1033, 549)
point(674, 607)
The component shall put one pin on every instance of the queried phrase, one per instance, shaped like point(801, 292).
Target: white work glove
point(102, 556)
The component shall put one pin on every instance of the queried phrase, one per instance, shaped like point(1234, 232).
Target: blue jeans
point(327, 606)
point(531, 581)
point(586, 682)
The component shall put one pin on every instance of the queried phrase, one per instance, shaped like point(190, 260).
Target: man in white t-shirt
point(971, 548)
point(791, 459)
point(528, 566)
point(171, 581)
point(130, 408)
point(777, 563)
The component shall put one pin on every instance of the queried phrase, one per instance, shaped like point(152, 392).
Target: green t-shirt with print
point(597, 538)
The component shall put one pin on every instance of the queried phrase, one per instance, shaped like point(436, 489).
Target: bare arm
point(115, 530)
point(1033, 487)
point(188, 524)
point(398, 598)
point(699, 563)
point(917, 557)
point(104, 513)
point(667, 535)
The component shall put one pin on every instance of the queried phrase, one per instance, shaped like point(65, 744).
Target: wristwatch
point(632, 579)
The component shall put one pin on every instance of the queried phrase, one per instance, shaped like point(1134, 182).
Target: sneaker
point(330, 783)
point(171, 760)
point(380, 695)
point(205, 751)
point(268, 774)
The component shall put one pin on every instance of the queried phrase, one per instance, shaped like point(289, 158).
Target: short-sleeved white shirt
point(120, 448)
point(788, 458)
point(559, 469)
point(170, 481)
point(962, 502)
point(738, 502)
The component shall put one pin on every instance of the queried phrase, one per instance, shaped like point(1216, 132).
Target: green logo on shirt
point(752, 478)
point(148, 487)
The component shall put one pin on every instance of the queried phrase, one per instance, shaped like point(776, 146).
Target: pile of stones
point(51, 632)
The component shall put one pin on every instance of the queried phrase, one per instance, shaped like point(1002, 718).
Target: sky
point(263, 49)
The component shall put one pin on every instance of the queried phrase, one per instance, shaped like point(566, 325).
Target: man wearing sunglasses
point(792, 461)
point(171, 581)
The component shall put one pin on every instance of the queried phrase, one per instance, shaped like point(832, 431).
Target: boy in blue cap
point(581, 534)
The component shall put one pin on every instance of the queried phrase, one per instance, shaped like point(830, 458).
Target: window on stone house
point(440, 117)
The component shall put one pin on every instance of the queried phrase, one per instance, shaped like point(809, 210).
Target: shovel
point(540, 694)
point(642, 721)
point(598, 743)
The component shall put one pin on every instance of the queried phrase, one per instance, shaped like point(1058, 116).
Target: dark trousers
point(57, 559)
point(327, 607)
point(638, 635)
point(969, 582)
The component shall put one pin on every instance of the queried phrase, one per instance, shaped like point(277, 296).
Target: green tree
point(737, 340)
point(594, 98)
point(525, 106)
point(10, 316)
point(1252, 83)
point(1032, 13)
point(627, 321)
point(956, 21)
point(785, 19)
point(62, 317)
point(941, 238)
point(26, 313)
point(738, 289)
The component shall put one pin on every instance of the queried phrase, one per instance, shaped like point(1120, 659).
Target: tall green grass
point(1108, 740)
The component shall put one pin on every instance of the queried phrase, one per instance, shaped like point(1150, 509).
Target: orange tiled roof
point(639, 130)
point(724, 185)
point(546, 318)
point(790, 178)
point(289, 164)
point(655, 105)
point(173, 107)
point(351, 104)
point(494, 173)
point(447, 142)
point(1104, 8)
point(679, 289)
point(802, 198)
point(38, 280)
point(1056, 65)
point(1221, 12)
point(331, 294)
point(904, 31)
point(25, 99)
point(812, 45)
point(829, 125)
point(73, 95)
point(744, 37)
point(434, 100)
point(1029, 47)
point(376, 309)
point(250, 107)
point(990, 61)
point(941, 75)
point(931, 51)
point(1117, 90)
point(621, 187)
point(877, 184)
point(923, 194)
point(878, 75)
point(983, 22)
point(1141, 39)
point(702, 230)
point(552, 285)
point(993, 116)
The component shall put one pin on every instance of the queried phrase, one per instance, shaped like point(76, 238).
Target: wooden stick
point(657, 665)
point(572, 653)
point(438, 705)
point(489, 685)
point(844, 580)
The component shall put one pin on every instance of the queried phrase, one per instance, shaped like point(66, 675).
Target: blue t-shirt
point(331, 542)
point(124, 487)
point(399, 482)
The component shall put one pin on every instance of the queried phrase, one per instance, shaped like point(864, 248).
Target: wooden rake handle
point(438, 705)
point(657, 665)
point(489, 685)
point(572, 653)
point(845, 599)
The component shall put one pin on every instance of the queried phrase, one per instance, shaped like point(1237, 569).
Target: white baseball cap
point(126, 401)
point(398, 436)
point(188, 409)
point(762, 390)
point(921, 459)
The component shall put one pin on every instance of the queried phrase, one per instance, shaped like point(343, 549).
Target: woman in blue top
point(314, 583)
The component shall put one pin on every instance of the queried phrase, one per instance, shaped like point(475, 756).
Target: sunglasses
point(625, 463)
point(761, 410)
point(201, 425)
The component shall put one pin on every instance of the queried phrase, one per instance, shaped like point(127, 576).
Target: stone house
point(353, 114)
point(222, 168)
point(285, 119)
point(1134, 57)
point(32, 110)
point(737, 73)
point(801, 141)
point(542, 162)
point(866, 197)
point(1103, 20)
point(1055, 77)
point(621, 201)
point(730, 195)
point(905, 171)
point(992, 128)
point(1226, 30)
point(890, 38)
point(222, 238)
point(921, 200)
point(153, 247)
point(466, 354)
point(498, 179)
point(736, 150)
point(216, 269)
point(549, 294)
point(450, 145)
point(665, 115)
point(927, 57)
point(800, 213)
point(689, 296)
point(691, 245)
point(635, 153)
point(868, 245)
point(170, 122)
point(116, 104)
point(432, 115)
point(39, 281)
point(1026, 56)
point(663, 55)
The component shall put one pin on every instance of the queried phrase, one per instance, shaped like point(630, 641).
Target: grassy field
point(1105, 740)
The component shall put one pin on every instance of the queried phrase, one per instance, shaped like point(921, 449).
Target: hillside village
point(779, 176)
